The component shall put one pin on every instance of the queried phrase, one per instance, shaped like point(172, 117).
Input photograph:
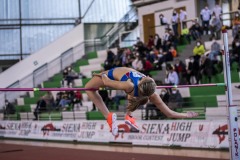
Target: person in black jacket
point(41, 107)
point(151, 107)
point(9, 108)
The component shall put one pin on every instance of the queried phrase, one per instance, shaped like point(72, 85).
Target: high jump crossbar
point(94, 89)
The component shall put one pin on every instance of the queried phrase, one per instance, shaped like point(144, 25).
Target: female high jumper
point(139, 89)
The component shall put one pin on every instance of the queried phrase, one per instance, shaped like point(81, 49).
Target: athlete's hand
point(97, 74)
point(191, 114)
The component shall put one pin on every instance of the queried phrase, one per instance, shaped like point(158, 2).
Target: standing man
point(205, 17)
point(182, 17)
point(175, 22)
point(217, 10)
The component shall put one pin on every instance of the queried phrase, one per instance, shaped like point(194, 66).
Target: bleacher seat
point(88, 105)
point(27, 116)
point(77, 115)
point(87, 70)
point(216, 113)
point(222, 101)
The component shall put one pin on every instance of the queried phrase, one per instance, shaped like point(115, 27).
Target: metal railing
point(112, 35)
point(44, 72)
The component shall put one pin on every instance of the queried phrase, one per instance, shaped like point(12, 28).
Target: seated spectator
point(180, 68)
point(59, 96)
point(196, 30)
point(172, 76)
point(206, 68)
point(147, 66)
point(215, 50)
point(77, 100)
point(198, 50)
point(150, 43)
point(235, 55)
point(173, 52)
point(236, 25)
point(185, 33)
point(192, 70)
point(137, 63)
point(49, 99)
point(163, 20)
point(157, 42)
point(64, 102)
point(41, 107)
point(151, 107)
point(175, 99)
point(70, 77)
point(9, 108)
point(108, 63)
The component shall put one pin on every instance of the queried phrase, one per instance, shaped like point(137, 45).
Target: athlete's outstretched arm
point(155, 98)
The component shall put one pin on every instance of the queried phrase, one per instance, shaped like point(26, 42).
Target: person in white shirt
point(137, 63)
point(172, 77)
point(217, 10)
point(175, 22)
point(163, 20)
point(182, 16)
point(205, 17)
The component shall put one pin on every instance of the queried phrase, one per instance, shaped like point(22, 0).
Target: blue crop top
point(134, 76)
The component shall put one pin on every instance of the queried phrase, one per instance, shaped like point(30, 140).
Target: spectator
point(215, 27)
point(193, 70)
point(157, 42)
point(71, 76)
point(180, 68)
point(185, 33)
point(215, 51)
point(164, 96)
point(9, 108)
point(173, 51)
point(236, 25)
point(205, 17)
point(163, 20)
point(217, 10)
point(137, 63)
point(175, 99)
point(172, 76)
point(49, 99)
point(198, 50)
point(196, 30)
point(150, 107)
point(175, 19)
point(41, 107)
point(182, 16)
point(150, 42)
point(235, 55)
point(59, 96)
point(108, 63)
point(147, 66)
point(77, 100)
point(206, 68)
point(64, 102)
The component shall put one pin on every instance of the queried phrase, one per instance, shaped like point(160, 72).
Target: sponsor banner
point(167, 133)
point(188, 133)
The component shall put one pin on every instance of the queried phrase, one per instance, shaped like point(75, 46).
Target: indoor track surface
point(20, 150)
